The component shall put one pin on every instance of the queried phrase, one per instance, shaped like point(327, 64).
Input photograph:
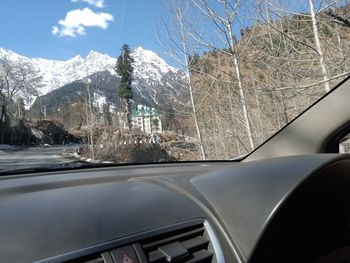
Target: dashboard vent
point(95, 258)
point(191, 244)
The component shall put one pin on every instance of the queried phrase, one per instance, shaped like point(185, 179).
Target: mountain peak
point(94, 54)
point(76, 58)
point(144, 56)
point(138, 49)
point(4, 50)
point(9, 54)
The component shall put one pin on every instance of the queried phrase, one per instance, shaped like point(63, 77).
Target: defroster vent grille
point(188, 245)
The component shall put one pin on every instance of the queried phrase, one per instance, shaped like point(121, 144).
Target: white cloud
point(95, 3)
point(77, 20)
point(54, 30)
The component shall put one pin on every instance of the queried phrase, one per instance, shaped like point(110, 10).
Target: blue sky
point(61, 29)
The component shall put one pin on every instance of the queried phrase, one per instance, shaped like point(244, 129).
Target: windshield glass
point(117, 81)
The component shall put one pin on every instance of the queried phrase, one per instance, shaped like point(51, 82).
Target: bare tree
point(318, 46)
point(16, 81)
point(179, 47)
point(90, 117)
point(221, 16)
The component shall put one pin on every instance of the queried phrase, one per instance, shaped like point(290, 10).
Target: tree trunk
point(234, 125)
point(127, 114)
point(188, 76)
point(285, 109)
point(243, 103)
point(3, 112)
point(199, 136)
point(318, 47)
point(240, 86)
point(259, 116)
point(91, 117)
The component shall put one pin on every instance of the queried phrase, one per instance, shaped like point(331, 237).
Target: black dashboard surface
point(46, 215)
point(247, 196)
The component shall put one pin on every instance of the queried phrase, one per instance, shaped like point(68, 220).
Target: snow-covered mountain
point(153, 77)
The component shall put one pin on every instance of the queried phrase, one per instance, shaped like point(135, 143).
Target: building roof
point(145, 112)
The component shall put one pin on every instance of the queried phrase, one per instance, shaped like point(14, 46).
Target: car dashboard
point(288, 209)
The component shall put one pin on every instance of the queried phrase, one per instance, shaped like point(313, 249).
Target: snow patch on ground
point(7, 147)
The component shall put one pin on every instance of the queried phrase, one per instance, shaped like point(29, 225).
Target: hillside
point(279, 69)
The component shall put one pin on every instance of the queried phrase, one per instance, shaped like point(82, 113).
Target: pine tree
point(155, 124)
point(125, 70)
point(193, 62)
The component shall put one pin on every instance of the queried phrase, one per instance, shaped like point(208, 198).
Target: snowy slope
point(152, 75)
point(56, 73)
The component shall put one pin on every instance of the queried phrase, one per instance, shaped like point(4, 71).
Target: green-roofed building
point(146, 119)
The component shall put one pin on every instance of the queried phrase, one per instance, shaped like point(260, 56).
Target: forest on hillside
point(253, 66)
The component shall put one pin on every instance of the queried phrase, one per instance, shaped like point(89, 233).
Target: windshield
point(118, 82)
